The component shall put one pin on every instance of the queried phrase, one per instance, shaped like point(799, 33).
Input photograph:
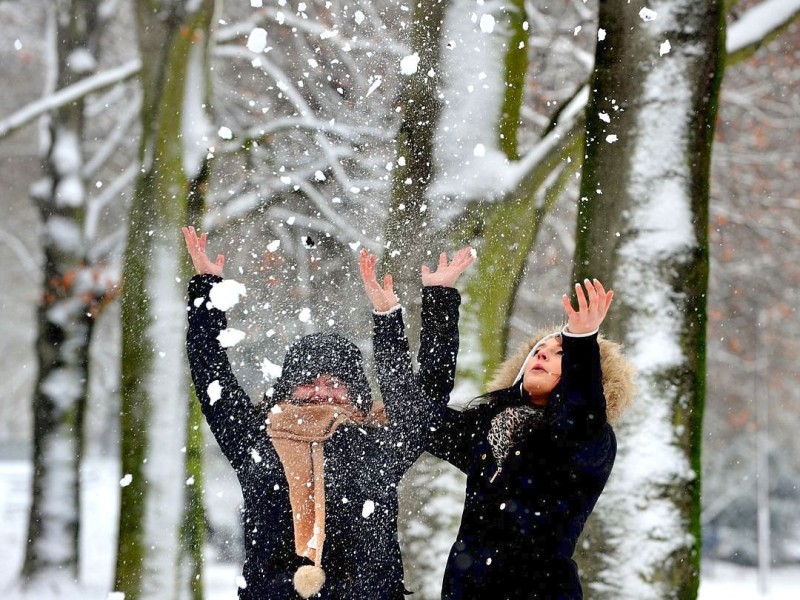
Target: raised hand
point(446, 274)
point(592, 307)
point(196, 246)
point(382, 298)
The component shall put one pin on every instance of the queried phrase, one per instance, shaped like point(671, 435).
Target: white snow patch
point(225, 294)
point(126, 480)
point(368, 509)
point(225, 133)
point(274, 245)
point(487, 23)
point(81, 61)
point(601, 34)
point(647, 14)
point(64, 233)
point(409, 64)
point(359, 17)
point(256, 3)
point(479, 150)
point(230, 337)
point(214, 391)
point(195, 126)
point(270, 370)
point(611, 138)
point(664, 48)
point(17, 44)
point(257, 40)
point(305, 315)
point(374, 86)
point(754, 24)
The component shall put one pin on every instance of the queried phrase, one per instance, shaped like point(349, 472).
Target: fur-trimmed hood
point(618, 374)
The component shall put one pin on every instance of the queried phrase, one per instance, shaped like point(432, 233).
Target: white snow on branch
point(472, 96)
point(756, 23)
point(69, 94)
point(195, 126)
point(659, 232)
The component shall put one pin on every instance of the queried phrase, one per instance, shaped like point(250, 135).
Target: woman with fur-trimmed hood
point(537, 452)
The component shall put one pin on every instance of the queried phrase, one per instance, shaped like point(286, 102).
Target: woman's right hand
point(196, 246)
point(382, 298)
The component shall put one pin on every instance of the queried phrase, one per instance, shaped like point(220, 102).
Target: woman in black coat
point(537, 454)
point(317, 462)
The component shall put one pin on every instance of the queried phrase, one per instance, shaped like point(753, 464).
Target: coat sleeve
point(411, 412)
point(230, 415)
point(454, 439)
point(438, 343)
point(578, 410)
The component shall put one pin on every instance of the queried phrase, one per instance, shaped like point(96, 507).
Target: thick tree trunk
point(71, 295)
point(152, 560)
point(642, 229)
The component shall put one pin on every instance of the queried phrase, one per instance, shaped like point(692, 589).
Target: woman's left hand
point(382, 298)
point(447, 273)
point(592, 307)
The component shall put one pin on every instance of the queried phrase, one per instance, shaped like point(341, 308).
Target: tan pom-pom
point(308, 580)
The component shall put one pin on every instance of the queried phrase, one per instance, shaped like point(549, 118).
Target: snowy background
point(302, 197)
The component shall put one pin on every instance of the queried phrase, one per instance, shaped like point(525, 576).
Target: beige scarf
point(298, 433)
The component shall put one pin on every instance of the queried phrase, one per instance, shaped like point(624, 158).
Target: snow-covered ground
point(720, 581)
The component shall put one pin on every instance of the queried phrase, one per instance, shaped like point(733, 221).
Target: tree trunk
point(71, 296)
point(152, 561)
point(642, 229)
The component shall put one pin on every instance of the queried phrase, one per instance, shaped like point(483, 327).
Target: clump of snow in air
point(409, 64)
point(375, 85)
point(576, 31)
point(354, 245)
point(601, 34)
point(230, 337)
point(225, 294)
point(126, 480)
point(305, 315)
point(487, 23)
point(257, 40)
point(254, 454)
point(214, 391)
point(604, 117)
point(480, 150)
point(81, 61)
point(274, 245)
point(225, 133)
point(256, 3)
point(368, 509)
point(665, 48)
point(319, 175)
point(270, 370)
point(611, 138)
point(647, 14)
point(359, 17)
point(17, 45)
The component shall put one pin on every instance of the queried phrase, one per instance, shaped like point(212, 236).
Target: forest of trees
point(651, 145)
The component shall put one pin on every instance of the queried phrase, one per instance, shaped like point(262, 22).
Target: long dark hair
point(497, 400)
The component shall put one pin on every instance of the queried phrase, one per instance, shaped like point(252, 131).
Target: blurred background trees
point(319, 127)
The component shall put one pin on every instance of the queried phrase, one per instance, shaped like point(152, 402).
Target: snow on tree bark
point(156, 508)
point(71, 296)
point(642, 229)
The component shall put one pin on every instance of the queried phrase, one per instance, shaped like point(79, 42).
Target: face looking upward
point(325, 389)
point(543, 371)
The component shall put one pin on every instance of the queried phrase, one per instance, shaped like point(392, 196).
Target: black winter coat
point(361, 556)
point(521, 522)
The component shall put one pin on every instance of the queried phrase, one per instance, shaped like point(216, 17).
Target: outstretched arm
point(231, 416)
point(579, 411)
point(196, 246)
point(439, 338)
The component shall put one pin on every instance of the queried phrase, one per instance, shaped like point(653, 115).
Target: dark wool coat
point(361, 556)
point(521, 522)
